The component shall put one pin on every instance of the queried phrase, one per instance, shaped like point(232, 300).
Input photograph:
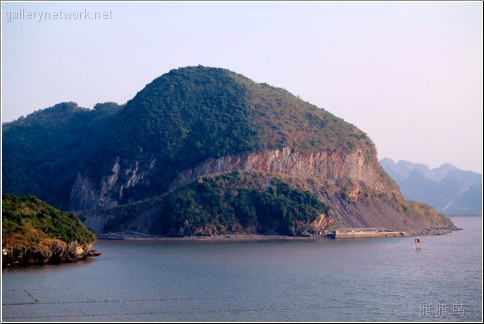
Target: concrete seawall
point(350, 233)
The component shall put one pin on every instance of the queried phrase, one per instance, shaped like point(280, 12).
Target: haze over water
point(329, 280)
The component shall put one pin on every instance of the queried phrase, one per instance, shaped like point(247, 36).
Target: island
point(35, 233)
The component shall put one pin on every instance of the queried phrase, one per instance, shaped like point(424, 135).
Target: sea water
point(384, 279)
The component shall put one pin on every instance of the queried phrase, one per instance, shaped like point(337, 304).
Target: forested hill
point(178, 120)
point(191, 114)
point(137, 166)
point(44, 151)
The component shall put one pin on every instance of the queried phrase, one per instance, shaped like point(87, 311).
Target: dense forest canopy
point(176, 122)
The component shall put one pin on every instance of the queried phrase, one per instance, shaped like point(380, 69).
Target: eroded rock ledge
point(56, 253)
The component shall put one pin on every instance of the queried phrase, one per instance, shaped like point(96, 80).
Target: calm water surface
point(329, 280)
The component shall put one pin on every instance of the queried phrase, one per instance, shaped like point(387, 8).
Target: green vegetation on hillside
point(238, 202)
point(180, 119)
point(282, 119)
point(42, 152)
point(176, 122)
point(191, 114)
point(28, 221)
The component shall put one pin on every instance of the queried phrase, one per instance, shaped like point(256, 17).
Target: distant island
point(34, 233)
point(447, 188)
point(204, 151)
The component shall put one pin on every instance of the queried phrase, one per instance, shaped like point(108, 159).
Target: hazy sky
point(409, 74)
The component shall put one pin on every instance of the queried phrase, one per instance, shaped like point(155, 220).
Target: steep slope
point(446, 188)
point(194, 122)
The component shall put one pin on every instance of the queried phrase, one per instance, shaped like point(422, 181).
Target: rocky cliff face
point(358, 192)
point(321, 166)
point(85, 194)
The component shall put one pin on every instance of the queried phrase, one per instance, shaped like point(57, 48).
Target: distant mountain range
point(447, 188)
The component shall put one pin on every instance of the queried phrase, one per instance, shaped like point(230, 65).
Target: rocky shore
point(56, 253)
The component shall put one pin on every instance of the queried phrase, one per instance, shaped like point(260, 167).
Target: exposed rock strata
point(328, 166)
point(321, 166)
point(359, 193)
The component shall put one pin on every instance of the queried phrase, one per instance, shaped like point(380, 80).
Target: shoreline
point(54, 255)
point(227, 237)
point(134, 236)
